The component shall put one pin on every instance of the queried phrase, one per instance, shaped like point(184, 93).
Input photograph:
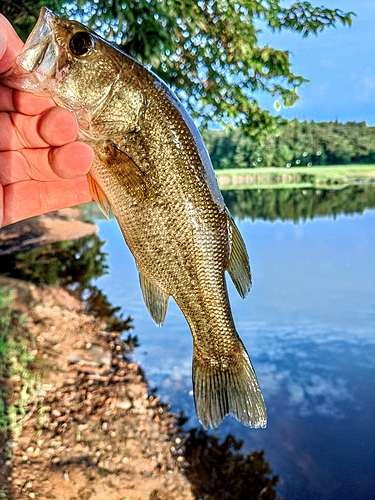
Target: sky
point(340, 64)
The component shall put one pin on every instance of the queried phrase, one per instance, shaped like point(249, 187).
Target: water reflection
point(299, 204)
point(216, 470)
point(308, 324)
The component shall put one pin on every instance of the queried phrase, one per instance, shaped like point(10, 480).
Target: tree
point(295, 144)
point(207, 50)
point(24, 13)
point(217, 470)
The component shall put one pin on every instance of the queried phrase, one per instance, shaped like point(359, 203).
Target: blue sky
point(340, 64)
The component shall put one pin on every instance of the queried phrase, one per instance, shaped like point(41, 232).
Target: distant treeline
point(298, 204)
point(295, 144)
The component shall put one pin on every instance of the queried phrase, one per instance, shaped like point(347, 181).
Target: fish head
point(67, 61)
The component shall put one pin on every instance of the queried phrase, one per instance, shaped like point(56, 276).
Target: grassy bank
point(17, 383)
point(329, 177)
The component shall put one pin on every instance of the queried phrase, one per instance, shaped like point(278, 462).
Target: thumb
point(10, 44)
point(3, 38)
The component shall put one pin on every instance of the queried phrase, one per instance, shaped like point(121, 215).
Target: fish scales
point(152, 169)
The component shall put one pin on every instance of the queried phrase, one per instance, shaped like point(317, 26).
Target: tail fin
point(232, 390)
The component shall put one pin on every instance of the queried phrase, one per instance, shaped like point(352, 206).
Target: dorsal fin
point(155, 299)
point(238, 265)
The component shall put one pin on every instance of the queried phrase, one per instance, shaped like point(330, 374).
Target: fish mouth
point(37, 61)
point(39, 54)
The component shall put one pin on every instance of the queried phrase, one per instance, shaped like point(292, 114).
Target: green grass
point(5, 330)
point(334, 176)
point(18, 384)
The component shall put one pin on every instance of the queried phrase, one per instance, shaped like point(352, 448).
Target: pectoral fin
point(238, 266)
point(99, 196)
point(126, 172)
point(155, 299)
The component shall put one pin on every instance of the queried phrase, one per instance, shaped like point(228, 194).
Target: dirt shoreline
point(61, 225)
point(93, 431)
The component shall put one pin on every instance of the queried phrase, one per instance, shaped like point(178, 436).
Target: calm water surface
point(309, 327)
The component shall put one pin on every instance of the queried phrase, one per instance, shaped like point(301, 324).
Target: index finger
point(23, 102)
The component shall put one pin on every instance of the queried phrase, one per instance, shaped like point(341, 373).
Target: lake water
point(309, 327)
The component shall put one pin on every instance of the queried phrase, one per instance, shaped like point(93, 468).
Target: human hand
point(42, 166)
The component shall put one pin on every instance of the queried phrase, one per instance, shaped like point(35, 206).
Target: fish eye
point(81, 43)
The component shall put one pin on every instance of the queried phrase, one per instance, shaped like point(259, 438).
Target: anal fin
point(155, 299)
point(238, 266)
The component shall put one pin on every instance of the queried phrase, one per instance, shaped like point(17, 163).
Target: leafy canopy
point(208, 51)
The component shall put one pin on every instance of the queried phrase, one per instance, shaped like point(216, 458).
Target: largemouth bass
point(152, 169)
